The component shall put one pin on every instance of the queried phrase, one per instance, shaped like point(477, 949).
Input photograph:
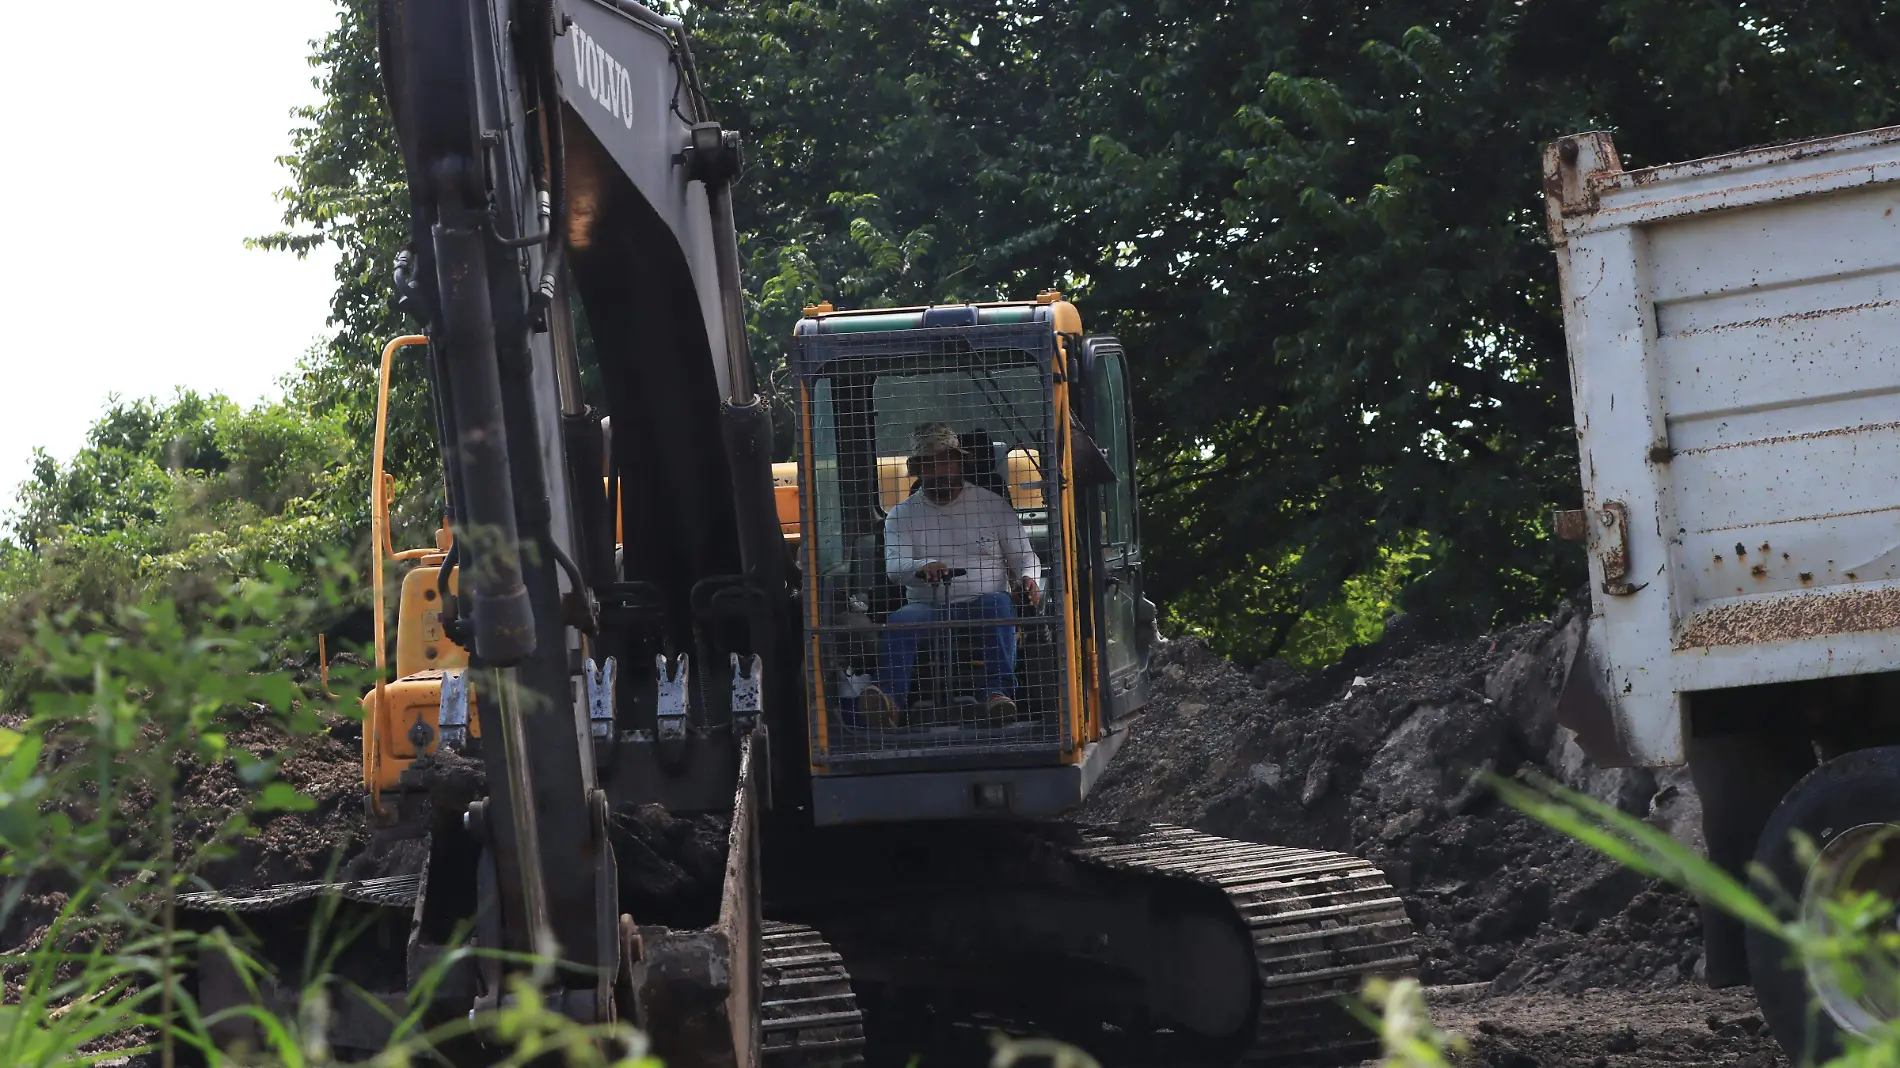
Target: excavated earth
point(1535, 949)
point(280, 847)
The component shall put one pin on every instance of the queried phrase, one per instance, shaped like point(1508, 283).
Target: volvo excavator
point(678, 718)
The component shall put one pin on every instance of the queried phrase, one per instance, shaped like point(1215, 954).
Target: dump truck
point(1734, 361)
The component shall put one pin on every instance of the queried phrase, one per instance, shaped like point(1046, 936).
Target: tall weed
point(118, 707)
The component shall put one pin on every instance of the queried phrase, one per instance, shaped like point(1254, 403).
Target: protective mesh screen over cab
point(920, 448)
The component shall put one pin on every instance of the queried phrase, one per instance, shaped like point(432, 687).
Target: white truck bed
point(1733, 326)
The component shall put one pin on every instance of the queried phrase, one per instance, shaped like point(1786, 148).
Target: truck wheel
point(1843, 807)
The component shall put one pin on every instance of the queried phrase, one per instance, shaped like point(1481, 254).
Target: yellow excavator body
point(424, 655)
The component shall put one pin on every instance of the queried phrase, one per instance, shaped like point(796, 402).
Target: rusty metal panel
point(1734, 335)
point(1568, 524)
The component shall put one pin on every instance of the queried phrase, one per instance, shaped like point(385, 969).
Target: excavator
point(675, 729)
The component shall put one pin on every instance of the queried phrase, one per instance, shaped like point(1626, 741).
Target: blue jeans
point(999, 644)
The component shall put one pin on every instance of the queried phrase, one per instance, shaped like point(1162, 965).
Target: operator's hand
point(934, 571)
point(1033, 590)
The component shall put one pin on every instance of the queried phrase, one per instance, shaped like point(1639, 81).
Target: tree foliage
point(193, 492)
point(348, 191)
point(1317, 228)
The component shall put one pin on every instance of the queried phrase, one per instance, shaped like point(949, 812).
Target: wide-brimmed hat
point(930, 439)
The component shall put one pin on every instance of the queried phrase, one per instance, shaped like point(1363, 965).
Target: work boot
point(1001, 709)
point(877, 708)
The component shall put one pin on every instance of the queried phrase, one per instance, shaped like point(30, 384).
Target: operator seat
point(980, 467)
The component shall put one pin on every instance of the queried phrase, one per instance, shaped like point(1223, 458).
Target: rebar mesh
point(937, 580)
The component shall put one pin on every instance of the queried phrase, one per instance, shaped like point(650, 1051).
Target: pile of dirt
point(1381, 756)
point(1608, 1028)
point(280, 847)
point(289, 846)
point(673, 867)
point(1377, 756)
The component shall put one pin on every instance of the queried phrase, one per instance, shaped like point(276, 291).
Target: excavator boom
point(561, 150)
point(470, 86)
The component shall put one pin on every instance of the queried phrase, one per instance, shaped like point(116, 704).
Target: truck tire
point(1842, 806)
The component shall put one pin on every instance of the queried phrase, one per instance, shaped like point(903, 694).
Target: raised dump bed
point(1734, 334)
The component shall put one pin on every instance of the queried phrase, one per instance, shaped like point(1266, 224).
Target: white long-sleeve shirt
point(978, 531)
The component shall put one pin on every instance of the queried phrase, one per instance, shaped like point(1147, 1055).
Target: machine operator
point(957, 549)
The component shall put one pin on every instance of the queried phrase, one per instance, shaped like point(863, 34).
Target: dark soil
point(1685, 1025)
point(1537, 950)
point(278, 847)
point(1379, 756)
point(673, 867)
point(287, 846)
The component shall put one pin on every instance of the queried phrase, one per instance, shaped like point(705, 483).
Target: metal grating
point(919, 659)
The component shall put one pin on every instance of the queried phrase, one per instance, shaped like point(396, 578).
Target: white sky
point(140, 152)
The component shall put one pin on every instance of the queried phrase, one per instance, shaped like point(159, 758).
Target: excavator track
point(809, 1016)
point(1322, 924)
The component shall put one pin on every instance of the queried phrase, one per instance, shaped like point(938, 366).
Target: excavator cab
point(903, 673)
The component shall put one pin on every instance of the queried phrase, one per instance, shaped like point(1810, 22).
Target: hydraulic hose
point(550, 93)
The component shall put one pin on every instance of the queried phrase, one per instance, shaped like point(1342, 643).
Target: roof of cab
point(1049, 307)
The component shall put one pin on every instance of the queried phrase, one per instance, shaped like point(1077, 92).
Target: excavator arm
point(559, 150)
point(467, 84)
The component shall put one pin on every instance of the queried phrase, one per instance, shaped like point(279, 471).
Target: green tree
point(1318, 228)
point(899, 153)
point(1331, 261)
point(177, 499)
point(348, 191)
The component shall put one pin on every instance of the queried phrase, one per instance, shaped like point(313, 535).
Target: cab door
point(1124, 641)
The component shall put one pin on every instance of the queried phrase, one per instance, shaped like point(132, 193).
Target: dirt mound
point(287, 846)
point(1608, 1028)
point(1376, 755)
point(672, 866)
point(283, 846)
point(1380, 756)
